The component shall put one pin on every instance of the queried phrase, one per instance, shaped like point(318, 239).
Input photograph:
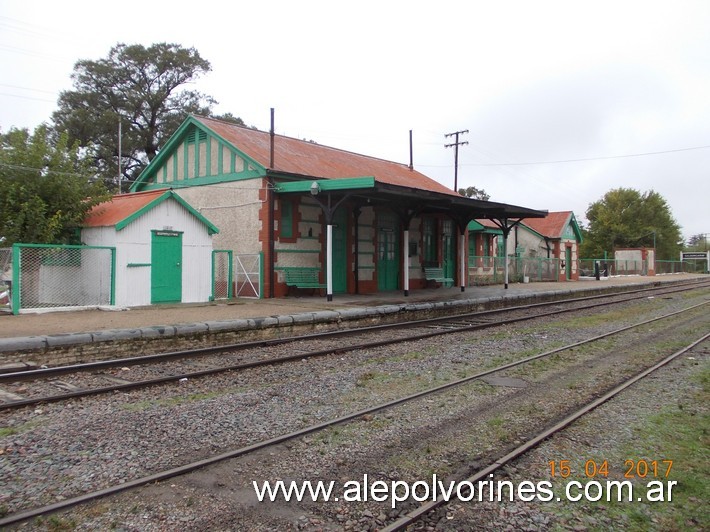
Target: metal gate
point(248, 275)
point(221, 274)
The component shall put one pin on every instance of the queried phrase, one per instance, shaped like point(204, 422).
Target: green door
point(568, 263)
point(340, 257)
point(448, 249)
point(387, 253)
point(166, 267)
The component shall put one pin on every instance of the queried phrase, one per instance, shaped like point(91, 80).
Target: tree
point(698, 242)
point(143, 88)
point(625, 218)
point(475, 193)
point(45, 192)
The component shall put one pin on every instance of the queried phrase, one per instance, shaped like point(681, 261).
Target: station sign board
point(689, 255)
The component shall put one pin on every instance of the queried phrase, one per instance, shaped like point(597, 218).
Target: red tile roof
point(119, 207)
point(552, 226)
point(315, 160)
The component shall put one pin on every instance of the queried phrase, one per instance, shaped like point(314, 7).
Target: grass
point(680, 433)
point(10, 431)
point(173, 401)
point(56, 524)
point(497, 426)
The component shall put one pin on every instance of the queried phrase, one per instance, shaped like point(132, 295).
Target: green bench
point(303, 278)
point(437, 275)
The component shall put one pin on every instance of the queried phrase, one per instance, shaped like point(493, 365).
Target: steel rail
point(424, 509)
point(206, 351)
point(188, 468)
point(193, 353)
point(13, 405)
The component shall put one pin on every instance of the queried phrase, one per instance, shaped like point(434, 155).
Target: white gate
point(248, 275)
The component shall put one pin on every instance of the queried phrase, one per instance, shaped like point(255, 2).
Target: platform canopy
point(415, 201)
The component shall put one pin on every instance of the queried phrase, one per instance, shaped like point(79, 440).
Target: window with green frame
point(429, 241)
point(286, 223)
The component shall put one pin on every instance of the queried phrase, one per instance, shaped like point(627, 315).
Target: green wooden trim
point(63, 246)
point(286, 220)
point(198, 154)
point(185, 159)
point(251, 166)
point(212, 229)
point(539, 235)
point(296, 251)
point(327, 185)
point(201, 181)
point(475, 227)
point(220, 158)
point(575, 227)
point(208, 156)
point(287, 268)
point(138, 264)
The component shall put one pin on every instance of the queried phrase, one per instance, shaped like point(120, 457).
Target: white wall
point(133, 247)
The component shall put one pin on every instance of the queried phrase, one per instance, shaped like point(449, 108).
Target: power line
point(26, 97)
point(48, 170)
point(27, 88)
point(592, 158)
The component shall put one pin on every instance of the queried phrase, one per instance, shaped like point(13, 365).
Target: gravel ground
point(625, 419)
point(58, 451)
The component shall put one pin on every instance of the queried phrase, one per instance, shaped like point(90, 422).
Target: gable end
point(196, 156)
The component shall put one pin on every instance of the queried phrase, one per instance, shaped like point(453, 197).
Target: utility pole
point(456, 153)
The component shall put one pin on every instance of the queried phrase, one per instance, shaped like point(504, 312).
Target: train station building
point(321, 218)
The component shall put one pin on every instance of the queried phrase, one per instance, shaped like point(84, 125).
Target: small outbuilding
point(163, 247)
point(555, 237)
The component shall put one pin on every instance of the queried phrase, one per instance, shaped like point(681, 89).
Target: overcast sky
point(613, 83)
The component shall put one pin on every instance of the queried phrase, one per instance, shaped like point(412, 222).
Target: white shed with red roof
point(163, 247)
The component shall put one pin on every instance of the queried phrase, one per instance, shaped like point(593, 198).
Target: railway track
point(33, 387)
point(483, 473)
point(171, 473)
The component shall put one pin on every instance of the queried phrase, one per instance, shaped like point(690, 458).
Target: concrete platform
point(54, 330)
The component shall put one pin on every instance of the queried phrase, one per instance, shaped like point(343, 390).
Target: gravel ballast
point(58, 451)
